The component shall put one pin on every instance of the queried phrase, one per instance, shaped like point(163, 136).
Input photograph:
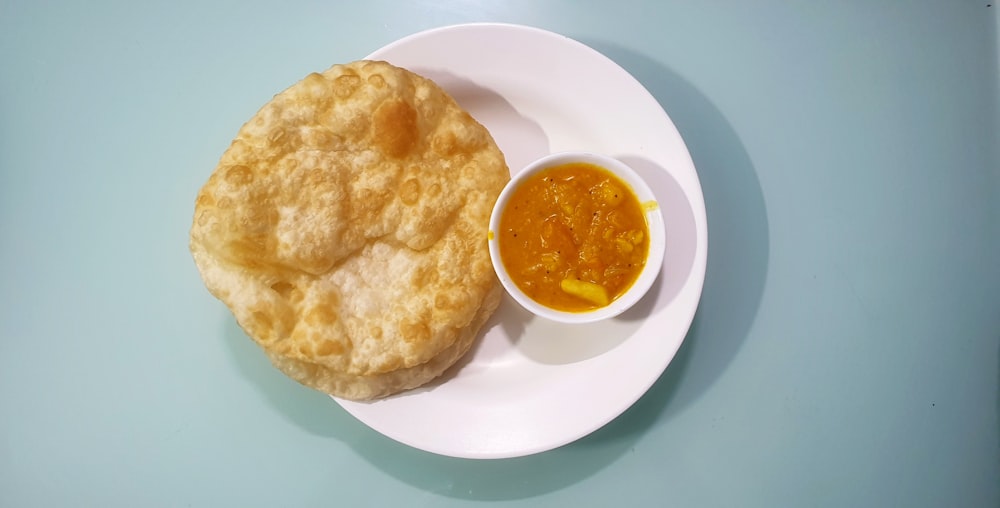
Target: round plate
point(530, 385)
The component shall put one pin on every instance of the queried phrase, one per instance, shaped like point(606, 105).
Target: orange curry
point(573, 237)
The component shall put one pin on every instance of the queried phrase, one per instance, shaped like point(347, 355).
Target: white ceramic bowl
point(654, 221)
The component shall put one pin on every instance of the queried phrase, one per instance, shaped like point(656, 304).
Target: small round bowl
point(654, 222)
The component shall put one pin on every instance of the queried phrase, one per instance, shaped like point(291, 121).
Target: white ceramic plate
point(530, 385)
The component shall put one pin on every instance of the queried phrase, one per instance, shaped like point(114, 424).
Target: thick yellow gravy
point(573, 237)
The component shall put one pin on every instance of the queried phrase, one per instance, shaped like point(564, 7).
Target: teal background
point(845, 352)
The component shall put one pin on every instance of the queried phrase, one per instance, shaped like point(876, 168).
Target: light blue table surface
point(845, 352)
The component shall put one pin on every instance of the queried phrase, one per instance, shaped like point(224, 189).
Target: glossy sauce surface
point(573, 237)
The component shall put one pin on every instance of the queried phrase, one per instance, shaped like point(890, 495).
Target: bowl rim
point(654, 223)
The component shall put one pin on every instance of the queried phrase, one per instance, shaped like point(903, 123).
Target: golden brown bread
point(345, 227)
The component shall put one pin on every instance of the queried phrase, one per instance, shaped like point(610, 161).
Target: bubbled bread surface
point(345, 227)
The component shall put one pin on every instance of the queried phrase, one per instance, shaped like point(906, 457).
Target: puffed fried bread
point(345, 228)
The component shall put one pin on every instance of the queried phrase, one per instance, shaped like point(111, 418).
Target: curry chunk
point(589, 291)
